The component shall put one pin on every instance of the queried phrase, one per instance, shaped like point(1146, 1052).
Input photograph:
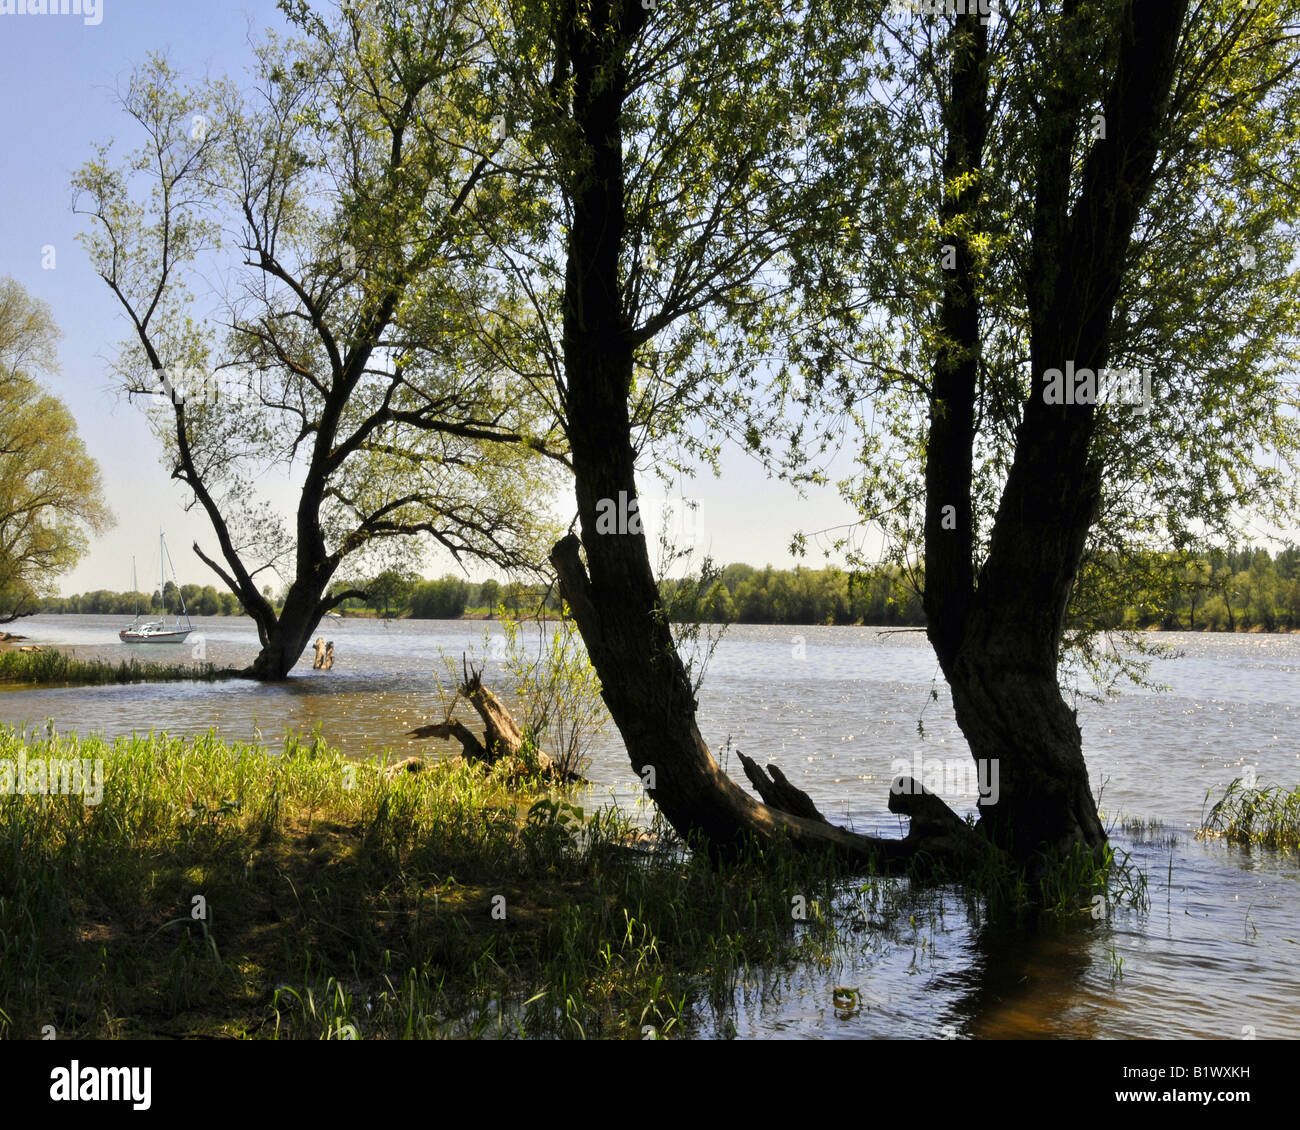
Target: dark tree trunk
point(614, 598)
point(998, 636)
point(289, 635)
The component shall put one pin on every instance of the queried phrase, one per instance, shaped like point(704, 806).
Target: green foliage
point(444, 599)
point(1204, 309)
point(391, 589)
point(742, 594)
point(56, 669)
point(1250, 814)
point(50, 491)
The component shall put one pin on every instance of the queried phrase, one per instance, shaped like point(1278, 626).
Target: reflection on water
point(1215, 956)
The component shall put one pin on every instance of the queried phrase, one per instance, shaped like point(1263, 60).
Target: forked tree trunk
point(998, 634)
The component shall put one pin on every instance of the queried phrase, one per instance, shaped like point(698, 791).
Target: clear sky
point(58, 74)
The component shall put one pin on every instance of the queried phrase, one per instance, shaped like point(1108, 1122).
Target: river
point(1215, 956)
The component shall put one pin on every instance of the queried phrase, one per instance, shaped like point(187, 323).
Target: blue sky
point(60, 74)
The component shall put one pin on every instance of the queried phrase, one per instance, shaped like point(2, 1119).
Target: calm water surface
point(1217, 955)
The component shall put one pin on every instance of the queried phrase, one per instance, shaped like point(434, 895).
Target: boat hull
point(128, 636)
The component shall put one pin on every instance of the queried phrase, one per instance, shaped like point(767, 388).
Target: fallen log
point(933, 827)
point(410, 765)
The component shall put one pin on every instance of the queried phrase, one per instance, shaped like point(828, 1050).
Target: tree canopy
point(349, 340)
point(50, 491)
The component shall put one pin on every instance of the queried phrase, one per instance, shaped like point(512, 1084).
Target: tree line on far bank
point(1223, 590)
point(1236, 589)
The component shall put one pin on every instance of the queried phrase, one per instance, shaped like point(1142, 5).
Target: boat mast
point(179, 595)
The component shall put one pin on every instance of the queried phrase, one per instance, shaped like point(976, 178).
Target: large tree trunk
point(286, 636)
point(1015, 715)
point(614, 598)
point(998, 635)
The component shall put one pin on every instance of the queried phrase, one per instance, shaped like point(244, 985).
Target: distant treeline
point(743, 594)
point(1222, 590)
point(447, 598)
point(1225, 590)
point(199, 601)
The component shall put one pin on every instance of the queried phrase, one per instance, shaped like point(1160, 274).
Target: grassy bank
point(333, 902)
point(57, 668)
point(215, 890)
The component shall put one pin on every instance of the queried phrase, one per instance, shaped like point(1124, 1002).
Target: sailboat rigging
point(158, 631)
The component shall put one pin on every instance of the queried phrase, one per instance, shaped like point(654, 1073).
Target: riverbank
point(198, 888)
point(43, 666)
point(835, 715)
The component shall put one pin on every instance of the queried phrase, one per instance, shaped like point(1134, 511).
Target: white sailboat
point(158, 631)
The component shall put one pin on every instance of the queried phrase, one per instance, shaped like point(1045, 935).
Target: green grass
point(57, 668)
point(336, 902)
point(1269, 816)
point(219, 889)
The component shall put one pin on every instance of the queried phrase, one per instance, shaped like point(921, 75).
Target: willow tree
point(691, 157)
point(1091, 308)
point(964, 211)
point(50, 491)
point(326, 220)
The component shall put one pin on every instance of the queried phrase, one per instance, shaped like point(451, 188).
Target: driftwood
point(410, 765)
point(324, 655)
point(502, 737)
point(777, 792)
point(931, 821)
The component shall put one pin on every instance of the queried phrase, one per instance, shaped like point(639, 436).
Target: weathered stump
point(502, 737)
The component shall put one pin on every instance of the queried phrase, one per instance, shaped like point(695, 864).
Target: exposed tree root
point(698, 799)
point(775, 789)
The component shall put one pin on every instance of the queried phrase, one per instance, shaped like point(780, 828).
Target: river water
point(1217, 954)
